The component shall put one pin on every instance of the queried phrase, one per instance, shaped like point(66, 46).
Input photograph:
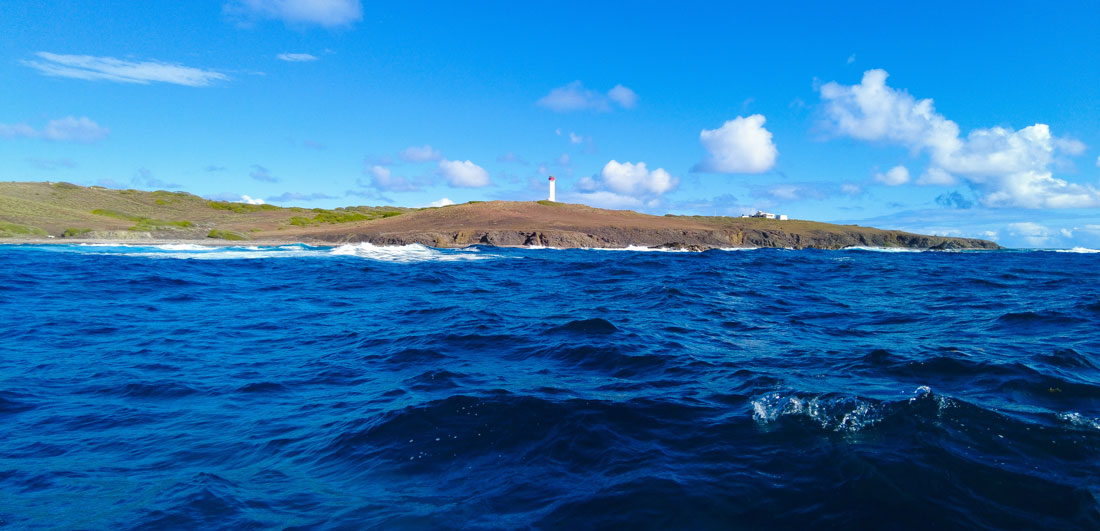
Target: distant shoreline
point(77, 214)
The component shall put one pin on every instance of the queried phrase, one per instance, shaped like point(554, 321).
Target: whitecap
point(1079, 250)
point(883, 249)
point(843, 414)
point(405, 253)
point(1080, 420)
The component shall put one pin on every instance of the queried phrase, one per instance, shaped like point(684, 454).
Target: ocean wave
point(407, 253)
point(882, 249)
point(382, 253)
point(839, 413)
point(1079, 250)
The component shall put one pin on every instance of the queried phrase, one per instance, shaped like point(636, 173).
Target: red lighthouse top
point(551, 177)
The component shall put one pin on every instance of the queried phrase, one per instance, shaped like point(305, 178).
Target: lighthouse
point(552, 181)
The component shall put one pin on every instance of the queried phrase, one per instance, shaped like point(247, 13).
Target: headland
point(66, 213)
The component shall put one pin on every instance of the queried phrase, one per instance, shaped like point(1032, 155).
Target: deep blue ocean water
point(184, 387)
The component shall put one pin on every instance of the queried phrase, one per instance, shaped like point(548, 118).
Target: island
point(64, 212)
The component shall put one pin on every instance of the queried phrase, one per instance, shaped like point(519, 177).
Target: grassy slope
point(29, 210)
point(55, 207)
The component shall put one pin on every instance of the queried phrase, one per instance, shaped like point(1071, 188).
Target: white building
point(765, 215)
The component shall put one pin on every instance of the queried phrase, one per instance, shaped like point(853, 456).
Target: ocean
point(180, 386)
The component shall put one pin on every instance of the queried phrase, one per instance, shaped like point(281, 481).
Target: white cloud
point(606, 199)
point(896, 176)
point(420, 154)
point(327, 13)
point(1098, 162)
point(741, 145)
point(463, 174)
point(936, 177)
point(383, 179)
point(574, 97)
point(441, 203)
point(250, 200)
point(574, 138)
point(1008, 168)
point(623, 96)
point(69, 128)
point(630, 180)
point(1032, 233)
point(850, 189)
point(110, 69)
point(851, 58)
point(296, 57)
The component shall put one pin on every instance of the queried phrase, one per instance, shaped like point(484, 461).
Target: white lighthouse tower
point(552, 181)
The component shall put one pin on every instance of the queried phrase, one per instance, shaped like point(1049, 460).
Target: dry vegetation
point(62, 210)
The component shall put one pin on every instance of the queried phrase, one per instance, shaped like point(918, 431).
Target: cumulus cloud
point(626, 185)
point(384, 179)
point(896, 176)
point(440, 203)
point(251, 200)
point(1007, 167)
point(296, 57)
point(741, 145)
point(326, 13)
point(67, 129)
point(110, 69)
point(261, 173)
point(463, 174)
point(420, 154)
point(575, 97)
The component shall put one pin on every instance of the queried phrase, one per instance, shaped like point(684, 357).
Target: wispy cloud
point(122, 71)
point(420, 154)
point(144, 179)
point(296, 196)
point(261, 173)
point(326, 13)
point(296, 57)
point(67, 129)
point(51, 164)
point(575, 97)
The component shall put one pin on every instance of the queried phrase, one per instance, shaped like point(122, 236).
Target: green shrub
point(73, 232)
point(226, 235)
point(142, 223)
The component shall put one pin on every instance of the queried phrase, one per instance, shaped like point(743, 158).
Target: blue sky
point(939, 117)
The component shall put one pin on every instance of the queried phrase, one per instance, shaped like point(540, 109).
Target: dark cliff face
point(609, 237)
